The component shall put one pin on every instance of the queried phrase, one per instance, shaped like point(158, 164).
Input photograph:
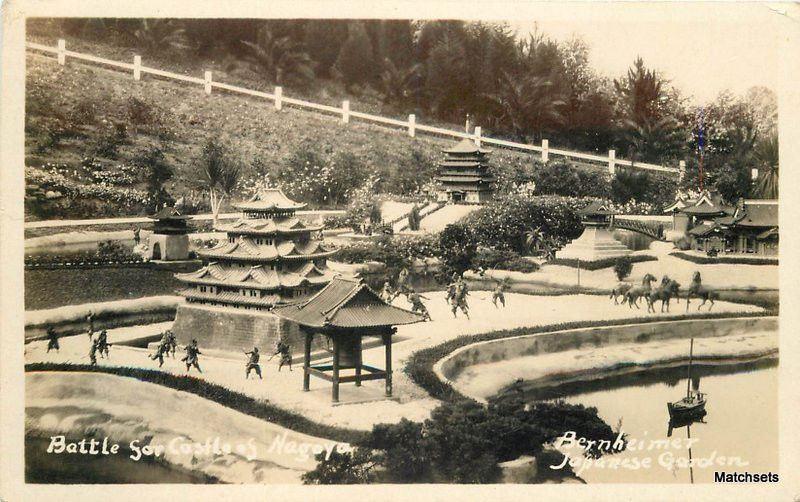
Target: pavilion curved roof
point(347, 303)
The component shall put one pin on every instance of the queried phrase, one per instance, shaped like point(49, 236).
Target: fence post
point(62, 51)
point(208, 82)
point(681, 171)
point(346, 111)
point(612, 165)
point(137, 67)
point(412, 125)
point(545, 150)
point(278, 97)
point(478, 136)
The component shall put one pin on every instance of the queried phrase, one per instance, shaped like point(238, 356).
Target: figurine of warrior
point(90, 320)
point(387, 294)
point(402, 281)
point(460, 300)
point(102, 343)
point(252, 363)
point(93, 353)
point(498, 294)
point(171, 343)
point(285, 351)
point(192, 351)
point(417, 305)
point(52, 340)
point(159, 355)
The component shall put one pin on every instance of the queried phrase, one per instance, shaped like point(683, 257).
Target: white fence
point(411, 125)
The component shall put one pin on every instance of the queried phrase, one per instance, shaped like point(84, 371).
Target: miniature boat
point(694, 404)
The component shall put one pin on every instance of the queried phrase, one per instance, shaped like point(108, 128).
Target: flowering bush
point(504, 223)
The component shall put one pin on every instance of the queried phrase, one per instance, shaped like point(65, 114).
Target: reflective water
point(44, 468)
point(739, 433)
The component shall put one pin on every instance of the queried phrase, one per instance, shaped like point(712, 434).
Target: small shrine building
point(347, 311)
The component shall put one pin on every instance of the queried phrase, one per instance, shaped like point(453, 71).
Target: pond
point(44, 468)
point(739, 431)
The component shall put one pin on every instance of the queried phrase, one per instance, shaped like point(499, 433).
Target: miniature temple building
point(596, 241)
point(169, 240)
point(690, 212)
point(749, 227)
point(346, 311)
point(464, 174)
point(270, 257)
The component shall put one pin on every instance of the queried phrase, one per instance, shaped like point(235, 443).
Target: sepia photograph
point(427, 248)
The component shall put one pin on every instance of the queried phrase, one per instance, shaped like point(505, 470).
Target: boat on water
point(694, 404)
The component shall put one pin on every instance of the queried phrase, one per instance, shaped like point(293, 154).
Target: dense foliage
point(504, 223)
point(516, 86)
point(462, 442)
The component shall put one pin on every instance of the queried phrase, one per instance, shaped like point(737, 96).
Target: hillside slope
point(179, 119)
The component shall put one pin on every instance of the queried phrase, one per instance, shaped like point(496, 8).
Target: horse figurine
point(633, 295)
point(620, 290)
point(698, 290)
point(665, 292)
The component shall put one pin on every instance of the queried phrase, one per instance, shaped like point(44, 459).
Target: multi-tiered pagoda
point(464, 174)
point(270, 258)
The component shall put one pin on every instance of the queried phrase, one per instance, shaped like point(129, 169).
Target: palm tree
point(766, 157)
point(399, 85)
point(156, 35)
point(283, 59)
point(526, 103)
point(220, 176)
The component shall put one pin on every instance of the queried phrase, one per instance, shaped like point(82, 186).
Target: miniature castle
point(270, 258)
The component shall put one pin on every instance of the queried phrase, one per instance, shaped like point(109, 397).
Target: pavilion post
point(307, 361)
point(387, 342)
point(335, 392)
point(358, 361)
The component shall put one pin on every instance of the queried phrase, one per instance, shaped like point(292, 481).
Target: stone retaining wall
point(558, 341)
point(229, 329)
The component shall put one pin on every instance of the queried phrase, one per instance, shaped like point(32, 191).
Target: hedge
point(261, 409)
point(598, 264)
point(420, 364)
point(708, 260)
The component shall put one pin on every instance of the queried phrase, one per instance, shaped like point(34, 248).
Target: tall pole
point(689, 375)
point(701, 145)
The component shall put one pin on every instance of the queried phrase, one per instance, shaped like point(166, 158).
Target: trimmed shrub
point(707, 260)
point(598, 264)
point(623, 267)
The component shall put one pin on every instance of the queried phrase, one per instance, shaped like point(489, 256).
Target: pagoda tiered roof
point(257, 277)
point(257, 226)
point(246, 249)
point(269, 199)
point(465, 167)
point(467, 146)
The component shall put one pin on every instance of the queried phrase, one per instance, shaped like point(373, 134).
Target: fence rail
point(410, 125)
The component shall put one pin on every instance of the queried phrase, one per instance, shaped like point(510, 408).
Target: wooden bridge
point(651, 229)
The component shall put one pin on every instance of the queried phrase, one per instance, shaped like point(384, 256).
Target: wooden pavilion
point(346, 311)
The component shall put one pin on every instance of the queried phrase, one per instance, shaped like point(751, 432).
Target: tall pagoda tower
point(270, 258)
point(464, 174)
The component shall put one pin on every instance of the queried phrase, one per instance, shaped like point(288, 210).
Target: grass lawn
point(46, 289)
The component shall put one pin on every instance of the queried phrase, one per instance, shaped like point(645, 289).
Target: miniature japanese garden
point(425, 283)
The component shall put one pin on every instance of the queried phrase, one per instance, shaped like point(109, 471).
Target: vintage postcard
point(306, 249)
